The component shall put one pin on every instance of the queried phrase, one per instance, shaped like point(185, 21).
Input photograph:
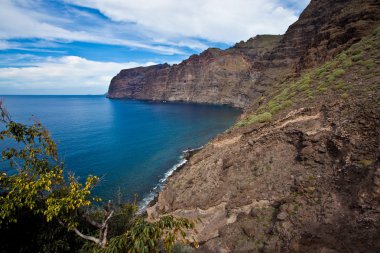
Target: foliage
point(146, 237)
point(36, 192)
point(335, 74)
point(39, 184)
point(259, 118)
point(344, 95)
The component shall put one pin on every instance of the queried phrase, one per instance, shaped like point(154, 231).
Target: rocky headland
point(300, 170)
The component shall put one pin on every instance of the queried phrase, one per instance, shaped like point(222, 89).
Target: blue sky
point(76, 46)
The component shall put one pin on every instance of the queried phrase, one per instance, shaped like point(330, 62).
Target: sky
point(77, 46)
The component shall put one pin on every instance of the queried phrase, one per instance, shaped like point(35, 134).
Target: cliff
point(300, 170)
point(239, 75)
point(214, 76)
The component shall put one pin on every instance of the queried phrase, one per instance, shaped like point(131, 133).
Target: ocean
point(132, 145)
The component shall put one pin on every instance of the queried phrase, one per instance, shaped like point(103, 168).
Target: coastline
point(160, 101)
point(151, 198)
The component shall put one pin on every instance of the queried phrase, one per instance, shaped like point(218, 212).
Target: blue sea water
point(132, 145)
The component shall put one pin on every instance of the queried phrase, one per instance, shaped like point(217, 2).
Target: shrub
point(365, 162)
point(357, 57)
point(377, 31)
point(321, 72)
point(368, 64)
point(335, 74)
point(339, 72)
point(275, 109)
point(347, 63)
point(260, 118)
point(339, 85)
point(304, 83)
point(330, 78)
point(287, 103)
point(345, 96)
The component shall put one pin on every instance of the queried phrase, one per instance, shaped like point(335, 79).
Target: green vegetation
point(37, 196)
point(259, 118)
point(345, 95)
point(366, 162)
point(356, 58)
point(332, 76)
point(369, 64)
point(339, 85)
point(335, 74)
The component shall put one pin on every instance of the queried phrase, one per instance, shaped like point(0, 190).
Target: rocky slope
point(300, 172)
point(239, 75)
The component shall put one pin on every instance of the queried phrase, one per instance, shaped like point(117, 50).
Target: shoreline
point(160, 101)
point(151, 198)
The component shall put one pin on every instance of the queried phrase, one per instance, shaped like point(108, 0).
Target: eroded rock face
point(214, 76)
point(239, 75)
point(308, 182)
point(324, 29)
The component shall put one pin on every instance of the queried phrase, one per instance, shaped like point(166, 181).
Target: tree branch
point(92, 222)
point(109, 217)
point(87, 237)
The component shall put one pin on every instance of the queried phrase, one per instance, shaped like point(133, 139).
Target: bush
point(335, 74)
point(357, 57)
point(345, 95)
point(368, 64)
point(340, 85)
point(260, 118)
point(304, 83)
point(339, 72)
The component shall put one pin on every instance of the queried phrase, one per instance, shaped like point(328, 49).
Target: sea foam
point(144, 203)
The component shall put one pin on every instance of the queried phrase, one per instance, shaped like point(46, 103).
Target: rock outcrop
point(239, 75)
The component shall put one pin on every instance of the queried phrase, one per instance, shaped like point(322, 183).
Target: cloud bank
point(58, 75)
point(76, 46)
point(214, 20)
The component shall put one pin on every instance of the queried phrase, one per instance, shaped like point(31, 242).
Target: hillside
point(300, 169)
point(300, 172)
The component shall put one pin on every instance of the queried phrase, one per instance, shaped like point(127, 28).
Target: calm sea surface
point(129, 144)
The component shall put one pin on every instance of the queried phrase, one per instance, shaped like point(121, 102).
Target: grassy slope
point(354, 72)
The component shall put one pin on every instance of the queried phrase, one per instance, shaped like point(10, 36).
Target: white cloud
point(4, 45)
point(162, 26)
point(17, 22)
point(215, 20)
point(140, 24)
point(66, 74)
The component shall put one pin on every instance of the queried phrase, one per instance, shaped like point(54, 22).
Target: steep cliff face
point(214, 76)
point(239, 75)
point(324, 29)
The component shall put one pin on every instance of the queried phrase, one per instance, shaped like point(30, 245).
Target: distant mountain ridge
point(241, 74)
